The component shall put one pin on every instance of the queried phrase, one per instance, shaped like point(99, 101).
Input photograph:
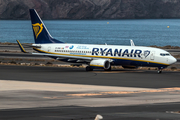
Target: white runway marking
point(22, 94)
point(6, 85)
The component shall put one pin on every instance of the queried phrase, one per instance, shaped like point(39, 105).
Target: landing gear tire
point(108, 69)
point(88, 68)
point(159, 71)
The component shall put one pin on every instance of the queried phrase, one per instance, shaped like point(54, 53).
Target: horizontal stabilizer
point(21, 47)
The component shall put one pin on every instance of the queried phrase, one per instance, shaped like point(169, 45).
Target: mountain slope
point(91, 9)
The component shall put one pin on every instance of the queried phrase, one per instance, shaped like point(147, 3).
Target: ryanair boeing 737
point(96, 56)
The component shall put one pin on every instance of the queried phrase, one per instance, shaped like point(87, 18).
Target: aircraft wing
point(65, 56)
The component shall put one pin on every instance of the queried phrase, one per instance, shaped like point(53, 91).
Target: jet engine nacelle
point(105, 64)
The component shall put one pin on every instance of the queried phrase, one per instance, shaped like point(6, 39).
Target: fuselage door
point(49, 48)
point(152, 55)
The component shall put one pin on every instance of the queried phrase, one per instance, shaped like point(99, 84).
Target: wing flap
point(64, 56)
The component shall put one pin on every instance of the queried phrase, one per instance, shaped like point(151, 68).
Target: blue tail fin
point(41, 34)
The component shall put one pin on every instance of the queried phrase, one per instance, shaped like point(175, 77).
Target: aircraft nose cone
point(172, 60)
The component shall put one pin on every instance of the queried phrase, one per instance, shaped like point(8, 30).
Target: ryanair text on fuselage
point(119, 52)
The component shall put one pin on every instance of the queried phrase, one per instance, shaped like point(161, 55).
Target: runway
point(125, 78)
point(46, 93)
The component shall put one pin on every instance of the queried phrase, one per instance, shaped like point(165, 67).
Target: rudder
point(41, 34)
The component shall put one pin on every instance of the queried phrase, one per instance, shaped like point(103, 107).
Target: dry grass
point(176, 56)
point(49, 64)
point(8, 43)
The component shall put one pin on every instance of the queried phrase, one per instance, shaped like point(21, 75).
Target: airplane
point(96, 56)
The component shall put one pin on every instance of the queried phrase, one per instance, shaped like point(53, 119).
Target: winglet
point(21, 47)
point(132, 43)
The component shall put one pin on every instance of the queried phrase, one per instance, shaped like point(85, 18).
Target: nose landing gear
point(160, 70)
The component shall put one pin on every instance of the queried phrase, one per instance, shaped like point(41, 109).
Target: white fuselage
point(119, 55)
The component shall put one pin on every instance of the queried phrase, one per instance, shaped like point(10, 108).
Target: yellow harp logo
point(37, 29)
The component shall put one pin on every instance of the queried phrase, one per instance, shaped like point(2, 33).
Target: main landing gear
point(109, 69)
point(88, 68)
point(159, 70)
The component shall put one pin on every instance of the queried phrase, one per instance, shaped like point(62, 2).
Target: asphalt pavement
point(44, 93)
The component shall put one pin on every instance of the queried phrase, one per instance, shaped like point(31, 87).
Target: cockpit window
point(164, 54)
